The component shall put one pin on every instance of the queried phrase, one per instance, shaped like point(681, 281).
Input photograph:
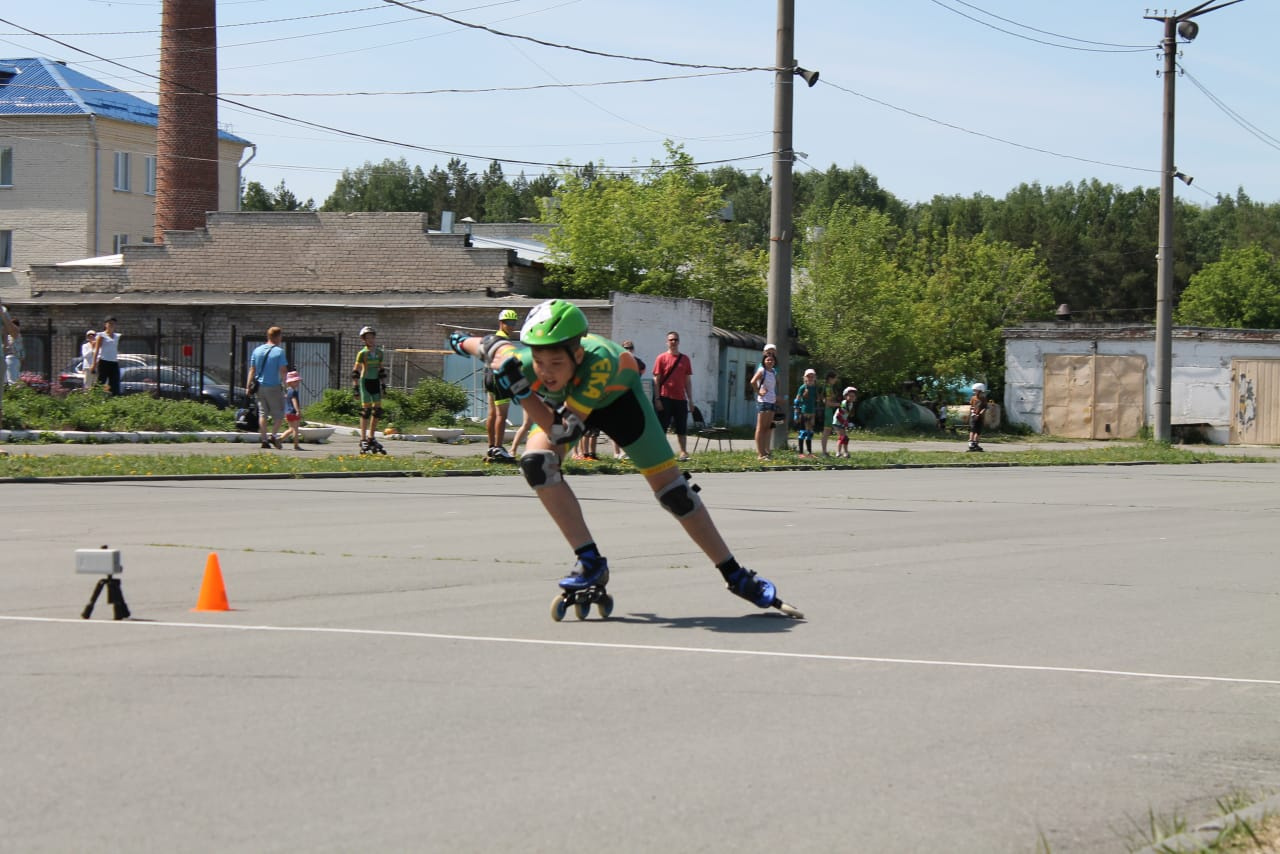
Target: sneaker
point(275, 443)
point(684, 458)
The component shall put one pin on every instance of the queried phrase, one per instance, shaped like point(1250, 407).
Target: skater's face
point(555, 367)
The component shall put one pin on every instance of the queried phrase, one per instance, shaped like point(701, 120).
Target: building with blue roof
point(78, 168)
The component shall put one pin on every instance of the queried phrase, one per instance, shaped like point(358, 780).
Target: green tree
point(978, 287)
point(1241, 291)
point(657, 233)
point(258, 198)
point(855, 307)
point(391, 185)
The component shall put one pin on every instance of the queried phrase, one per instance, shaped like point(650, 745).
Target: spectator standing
point(977, 411)
point(14, 353)
point(7, 327)
point(86, 357)
point(267, 370)
point(495, 422)
point(106, 355)
point(673, 389)
point(806, 406)
point(828, 402)
point(293, 409)
point(765, 382)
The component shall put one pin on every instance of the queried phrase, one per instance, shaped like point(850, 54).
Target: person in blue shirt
point(268, 365)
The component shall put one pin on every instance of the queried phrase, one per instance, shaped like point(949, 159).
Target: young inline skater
point(977, 412)
point(369, 374)
point(568, 381)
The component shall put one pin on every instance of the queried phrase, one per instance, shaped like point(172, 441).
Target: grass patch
point(19, 465)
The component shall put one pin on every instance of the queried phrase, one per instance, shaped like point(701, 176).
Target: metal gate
point(310, 357)
point(1255, 393)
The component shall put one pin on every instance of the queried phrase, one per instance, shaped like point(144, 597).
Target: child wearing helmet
point(569, 381)
point(844, 419)
point(495, 422)
point(977, 411)
point(806, 412)
point(369, 374)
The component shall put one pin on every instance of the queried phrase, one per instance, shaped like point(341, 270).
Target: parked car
point(140, 374)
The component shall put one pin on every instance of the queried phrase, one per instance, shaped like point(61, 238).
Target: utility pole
point(781, 331)
point(1174, 26)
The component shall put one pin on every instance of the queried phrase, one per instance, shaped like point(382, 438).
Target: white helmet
point(366, 330)
point(980, 388)
point(849, 389)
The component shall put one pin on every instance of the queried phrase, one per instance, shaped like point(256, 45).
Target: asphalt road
point(993, 660)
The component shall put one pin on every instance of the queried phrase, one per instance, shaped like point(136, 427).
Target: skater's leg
point(541, 466)
point(696, 521)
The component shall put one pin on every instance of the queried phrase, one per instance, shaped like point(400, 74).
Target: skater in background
point(7, 327)
point(977, 411)
point(86, 357)
point(568, 381)
point(843, 420)
point(765, 382)
point(292, 410)
point(370, 375)
point(495, 421)
point(14, 353)
point(806, 412)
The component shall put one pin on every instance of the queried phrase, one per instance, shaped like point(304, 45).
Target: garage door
point(1094, 397)
point(1255, 395)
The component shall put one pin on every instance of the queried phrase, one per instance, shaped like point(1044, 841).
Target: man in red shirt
point(673, 384)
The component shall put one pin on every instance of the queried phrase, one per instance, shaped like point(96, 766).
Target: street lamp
point(1174, 26)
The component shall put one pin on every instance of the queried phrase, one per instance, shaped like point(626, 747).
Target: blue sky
point(894, 75)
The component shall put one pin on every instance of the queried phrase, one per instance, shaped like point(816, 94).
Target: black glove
point(510, 380)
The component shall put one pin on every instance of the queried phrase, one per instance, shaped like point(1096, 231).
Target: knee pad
point(680, 498)
point(541, 468)
point(377, 410)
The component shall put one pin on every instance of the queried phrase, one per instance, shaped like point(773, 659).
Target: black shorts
point(975, 424)
point(674, 413)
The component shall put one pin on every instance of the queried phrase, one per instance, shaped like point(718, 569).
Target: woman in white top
point(106, 349)
point(765, 382)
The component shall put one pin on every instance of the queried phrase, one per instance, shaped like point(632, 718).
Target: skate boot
point(364, 446)
point(500, 455)
point(758, 591)
point(375, 447)
point(582, 587)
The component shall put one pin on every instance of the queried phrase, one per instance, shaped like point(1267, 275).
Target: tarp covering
point(889, 411)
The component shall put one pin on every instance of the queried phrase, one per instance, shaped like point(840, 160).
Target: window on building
point(6, 248)
point(122, 171)
point(151, 174)
point(6, 166)
point(118, 241)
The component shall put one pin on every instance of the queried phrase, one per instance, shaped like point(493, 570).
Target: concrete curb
point(1202, 837)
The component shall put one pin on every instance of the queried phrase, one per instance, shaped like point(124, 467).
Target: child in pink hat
point(292, 410)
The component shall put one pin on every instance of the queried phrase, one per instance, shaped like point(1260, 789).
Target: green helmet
point(553, 322)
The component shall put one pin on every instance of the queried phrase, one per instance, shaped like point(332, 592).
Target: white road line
point(806, 656)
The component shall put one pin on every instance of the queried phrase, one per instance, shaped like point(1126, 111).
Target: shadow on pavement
point(765, 622)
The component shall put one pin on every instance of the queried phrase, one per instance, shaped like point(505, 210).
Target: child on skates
point(843, 420)
point(369, 374)
point(806, 406)
point(568, 381)
point(977, 411)
point(292, 410)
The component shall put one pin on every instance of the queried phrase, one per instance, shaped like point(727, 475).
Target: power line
point(1112, 49)
point(982, 135)
point(1135, 47)
point(1261, 135)
point(369, 137)
point(588, 51)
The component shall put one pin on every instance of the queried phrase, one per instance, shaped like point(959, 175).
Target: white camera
point(98, 562)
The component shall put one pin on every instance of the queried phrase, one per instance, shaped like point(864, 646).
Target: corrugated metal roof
point(42, 87)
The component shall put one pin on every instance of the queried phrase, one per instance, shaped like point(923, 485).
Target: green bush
point(95, 410)
point(432, 403)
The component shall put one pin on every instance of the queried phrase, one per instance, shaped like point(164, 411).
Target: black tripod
point(115, 598)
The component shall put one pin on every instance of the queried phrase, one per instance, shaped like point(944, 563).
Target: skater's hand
point(567, 427)
point(510, 379)
point(456, 340)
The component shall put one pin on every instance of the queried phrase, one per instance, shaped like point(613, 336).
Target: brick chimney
point(187, 135)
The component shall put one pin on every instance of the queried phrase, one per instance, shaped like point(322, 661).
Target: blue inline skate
point(758, 591)
point(583, 587)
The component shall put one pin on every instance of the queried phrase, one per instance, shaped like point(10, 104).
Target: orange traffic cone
point(213, 595)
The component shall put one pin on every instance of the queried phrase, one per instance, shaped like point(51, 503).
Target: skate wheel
point(605, 606)
point(581, 608)
point(559, 607)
